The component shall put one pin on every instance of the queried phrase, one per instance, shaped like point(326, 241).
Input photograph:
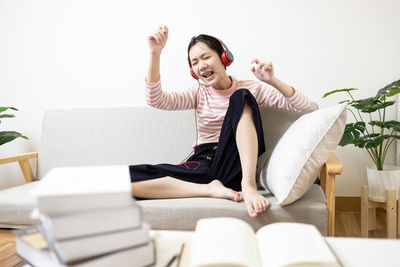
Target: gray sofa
point(134, 135)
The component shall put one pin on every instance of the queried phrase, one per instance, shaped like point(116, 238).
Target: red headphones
point(226, 58)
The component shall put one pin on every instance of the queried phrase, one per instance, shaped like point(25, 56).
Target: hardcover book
point(71, 189)
point(33, 249)
point(90, 222)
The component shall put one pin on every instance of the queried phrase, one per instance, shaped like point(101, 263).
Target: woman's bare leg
point(168, 187)
point(247, 143)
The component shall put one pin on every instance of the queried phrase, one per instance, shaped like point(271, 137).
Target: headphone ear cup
point(191, 70)
point(193, 74)
point(225, 59)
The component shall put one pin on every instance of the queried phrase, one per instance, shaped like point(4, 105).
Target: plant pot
point(380, 181)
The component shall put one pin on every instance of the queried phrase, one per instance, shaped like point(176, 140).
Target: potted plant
point(375, 134)
point(8, 136)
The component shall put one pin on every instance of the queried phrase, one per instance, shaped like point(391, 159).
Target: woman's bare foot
point(255, 202)
point(218, 190)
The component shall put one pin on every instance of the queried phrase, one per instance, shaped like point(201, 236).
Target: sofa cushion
point(16, 205)
point(299, 155)
point(114, 136)
point(281, 121)
point(183, 213)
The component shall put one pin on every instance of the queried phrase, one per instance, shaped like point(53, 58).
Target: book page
point(224, 242)
point(293, 244)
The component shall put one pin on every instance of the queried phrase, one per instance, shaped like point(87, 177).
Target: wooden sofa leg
point(329, 170)
point(26, 170)
point(391, 212)
point(398, 214)
point(364, 211)
point(331, 205)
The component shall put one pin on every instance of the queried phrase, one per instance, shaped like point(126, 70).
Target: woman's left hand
point(263, 71)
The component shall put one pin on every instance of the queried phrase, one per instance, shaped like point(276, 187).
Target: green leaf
point(377, 123)
point(395, 91)
point(387, 136)
point(374, 142)
point(338, 91)
point(359, 143)
point(389, 90)
point(2, 109)
point(395, 125)
point(360, 126)
point(352, 133)
point(364, 103)
point(8, 136)
point(347, 139)
point(377, 106)
point(371, 104)
point(7, 116)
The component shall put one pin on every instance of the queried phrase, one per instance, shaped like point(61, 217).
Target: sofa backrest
point(131, 135)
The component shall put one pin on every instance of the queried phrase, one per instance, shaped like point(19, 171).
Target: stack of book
point(88, 218)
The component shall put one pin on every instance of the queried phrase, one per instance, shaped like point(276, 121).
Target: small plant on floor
point(8, 136)
point(373, 137)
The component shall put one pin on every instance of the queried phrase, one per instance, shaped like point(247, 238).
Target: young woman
point(229, 128)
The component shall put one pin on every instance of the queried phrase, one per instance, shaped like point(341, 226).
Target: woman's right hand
point(158, 39)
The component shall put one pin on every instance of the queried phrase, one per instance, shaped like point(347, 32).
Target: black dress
point(211, 161)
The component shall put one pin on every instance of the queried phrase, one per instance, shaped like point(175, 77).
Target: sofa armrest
point(330, 169)
point(23, 160)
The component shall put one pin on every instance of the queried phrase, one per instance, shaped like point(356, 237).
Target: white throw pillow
point(300, 153)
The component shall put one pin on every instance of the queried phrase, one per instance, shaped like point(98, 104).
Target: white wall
point(89, 53)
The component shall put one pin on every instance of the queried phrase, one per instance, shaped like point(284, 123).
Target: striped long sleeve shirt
point(211, 104)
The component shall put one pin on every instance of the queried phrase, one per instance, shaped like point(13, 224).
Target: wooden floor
point(7, 249)
point(347, 224)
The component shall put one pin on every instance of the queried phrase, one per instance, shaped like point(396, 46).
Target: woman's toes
point(260, 208)
point(267, 204)
point(249, 209)
point(263, 205)
point(218, 190)
point(252, 213)
point(235, 196)
point(252, 209)
point(238, 197)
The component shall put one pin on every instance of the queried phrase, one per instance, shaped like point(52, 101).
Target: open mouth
point(207, 74)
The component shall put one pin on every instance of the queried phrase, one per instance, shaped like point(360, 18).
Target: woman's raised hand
point(263, 71)
point(158, 39)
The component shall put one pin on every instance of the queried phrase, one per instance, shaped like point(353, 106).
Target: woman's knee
point(242, 95)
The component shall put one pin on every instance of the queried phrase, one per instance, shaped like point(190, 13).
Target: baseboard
point(348, 204)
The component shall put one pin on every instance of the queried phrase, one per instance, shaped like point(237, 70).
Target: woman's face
point(207, 65)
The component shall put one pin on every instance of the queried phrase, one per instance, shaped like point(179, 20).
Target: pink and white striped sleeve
point(271, 97)
point(169, 100)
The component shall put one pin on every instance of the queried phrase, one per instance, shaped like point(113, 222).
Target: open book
point(232, 242)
